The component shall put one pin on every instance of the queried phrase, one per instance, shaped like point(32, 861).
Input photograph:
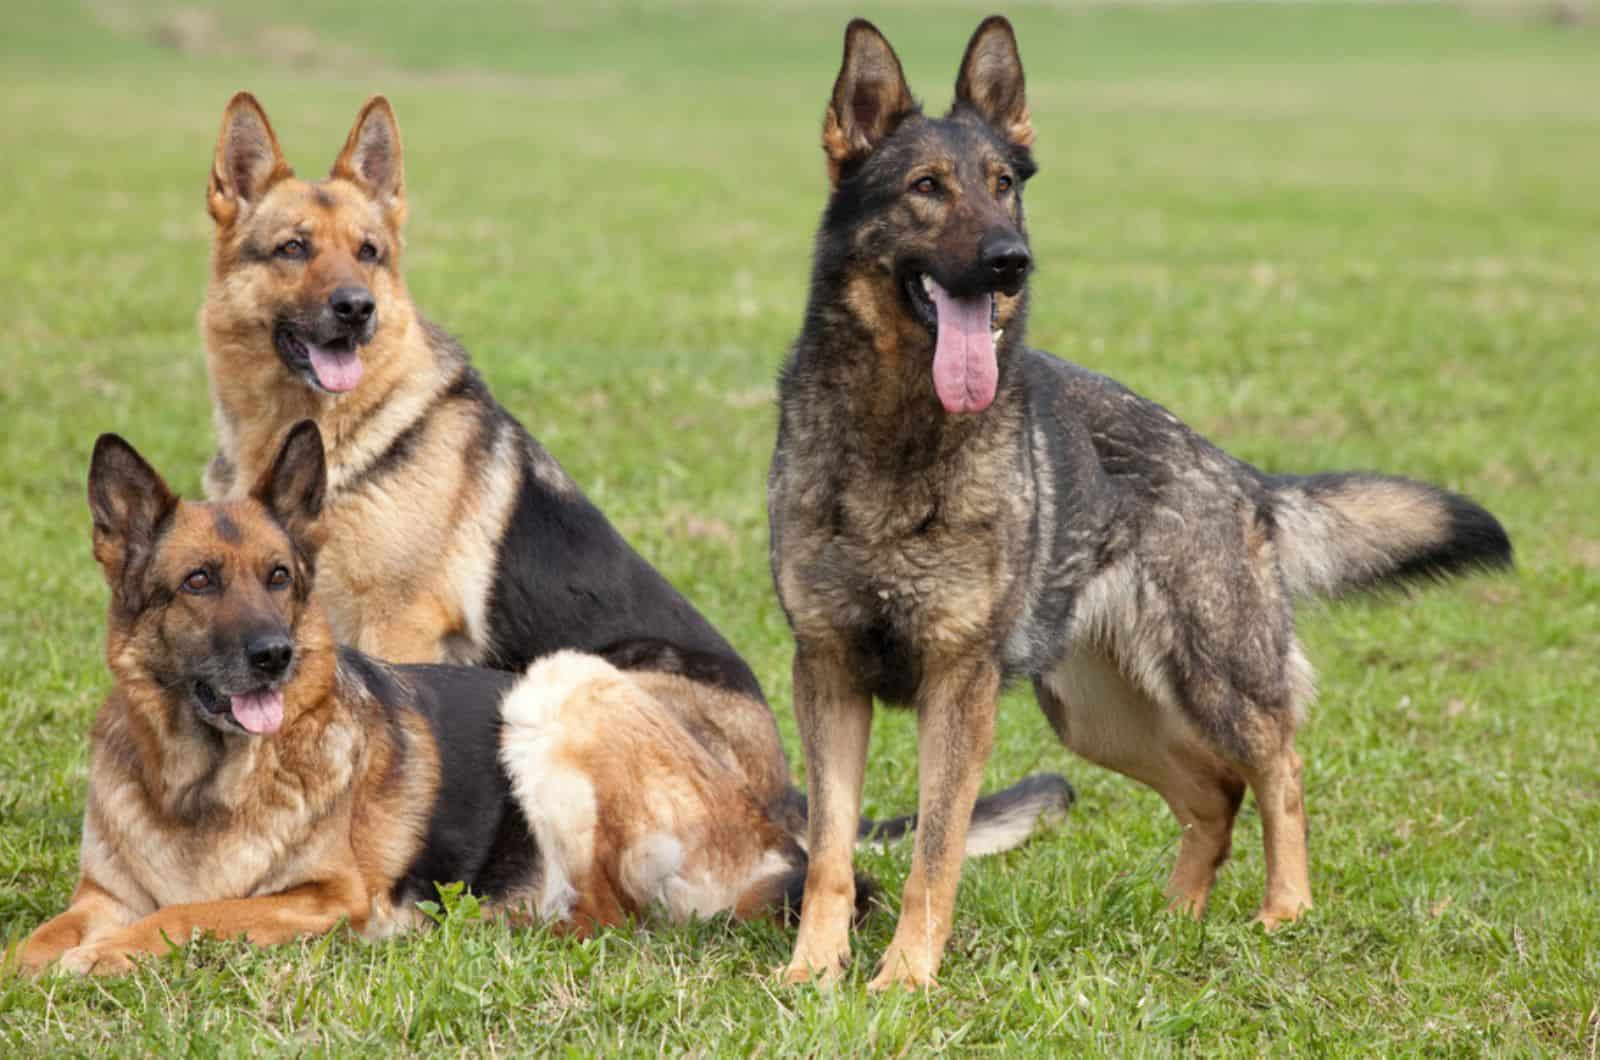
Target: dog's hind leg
point(955, 729)
point(1280, 798)
point(1100, 714)
point(1205, 803)
point(835, 721)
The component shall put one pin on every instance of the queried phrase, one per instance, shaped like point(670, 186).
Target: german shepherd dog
point(452, 535)
point(249, 778)
point(951, 509)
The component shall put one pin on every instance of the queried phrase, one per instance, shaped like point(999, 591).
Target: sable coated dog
point(453, 536)
point(250, 779)
point(951, 509)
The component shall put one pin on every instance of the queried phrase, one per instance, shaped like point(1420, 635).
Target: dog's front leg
point(93, 910)
point(955, 730)
point(310, 909)
point(835, 721)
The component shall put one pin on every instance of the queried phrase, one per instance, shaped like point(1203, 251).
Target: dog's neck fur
point(253, 408)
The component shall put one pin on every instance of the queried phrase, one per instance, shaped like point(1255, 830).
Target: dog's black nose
point(270, 653)
point(1006, 258)
point(353, 304)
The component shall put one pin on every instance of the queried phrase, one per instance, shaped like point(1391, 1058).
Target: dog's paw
point(1273, 917)
point(822, 949)
point(912, 969)
point(804, 972)
point(96, 960)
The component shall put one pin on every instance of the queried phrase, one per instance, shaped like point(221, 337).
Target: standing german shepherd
point(250, 779)
point(951, 509)
point(453, 536)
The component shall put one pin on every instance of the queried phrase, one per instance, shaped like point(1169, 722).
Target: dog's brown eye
point(294, 248)
point(925, 186)
point(279, 577)
point(1004, 183)
point(368, 251)
point(197, 582)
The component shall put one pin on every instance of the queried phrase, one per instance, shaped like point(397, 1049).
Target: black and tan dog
point(453, 535)
point(951, 510)
point(249, 778)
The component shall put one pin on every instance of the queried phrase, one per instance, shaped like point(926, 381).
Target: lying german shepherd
point(249, 778)
point(951, 509)
point(453, 536)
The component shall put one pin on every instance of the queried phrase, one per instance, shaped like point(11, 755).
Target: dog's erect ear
point(372, 157)
point(991, 80)
point(129, 502)
point(870, 98)
point(248, 160)
point(293, 487)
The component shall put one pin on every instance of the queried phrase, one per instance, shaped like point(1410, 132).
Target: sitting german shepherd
point(249, 778)
point(453, 535)
point(951, 509)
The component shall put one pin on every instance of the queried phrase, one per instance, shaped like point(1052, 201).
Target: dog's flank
point(951, 510)
point(453, 535)
point(250, 779)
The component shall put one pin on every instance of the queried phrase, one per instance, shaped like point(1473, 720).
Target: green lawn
point(1328, 237)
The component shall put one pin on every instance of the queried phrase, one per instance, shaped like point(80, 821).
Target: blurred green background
point(1326, 235)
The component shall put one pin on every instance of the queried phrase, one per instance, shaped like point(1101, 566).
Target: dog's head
point(928, 211)
point(307, 269)
point(211, 602)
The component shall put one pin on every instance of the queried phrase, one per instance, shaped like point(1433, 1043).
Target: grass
point(1327, 236)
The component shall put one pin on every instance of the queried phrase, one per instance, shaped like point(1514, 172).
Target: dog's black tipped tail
point(1000, 821)
point(1346, 532)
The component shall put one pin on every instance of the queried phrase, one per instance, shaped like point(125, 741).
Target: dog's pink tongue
point(258, 712)
point(337, 370)
point(964, 368)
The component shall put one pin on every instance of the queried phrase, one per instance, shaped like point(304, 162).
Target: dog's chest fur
point(900, 543)
point(253, 822)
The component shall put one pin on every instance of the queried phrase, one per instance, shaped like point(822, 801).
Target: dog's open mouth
point(965, 370)
point(259, 712)
point(333, 365)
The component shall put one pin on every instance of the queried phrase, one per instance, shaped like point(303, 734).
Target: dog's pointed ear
point(128, 502)
point(248, 160)
point(372, 157)
point(292, 488)
point(991, 81)
point(870, 99)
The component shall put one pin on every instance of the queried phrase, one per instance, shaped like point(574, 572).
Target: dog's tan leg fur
point(1205, 801)
point(1281, 800)
point(93, 910)
point(835, 721)
point(955, 730)
point(415, 635)
point(311, 909)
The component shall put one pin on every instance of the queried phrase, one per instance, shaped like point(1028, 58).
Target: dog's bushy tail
point(1345, 532)
point(1000, 821)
